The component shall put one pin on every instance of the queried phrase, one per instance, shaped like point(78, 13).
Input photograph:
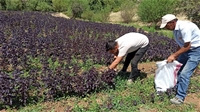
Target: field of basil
point(55, 64)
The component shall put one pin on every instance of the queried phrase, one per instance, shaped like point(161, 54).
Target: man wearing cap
point(187, 36)
point(133, 46)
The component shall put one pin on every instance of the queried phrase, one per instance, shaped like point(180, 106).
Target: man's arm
point(115, 62)
point(183, 49)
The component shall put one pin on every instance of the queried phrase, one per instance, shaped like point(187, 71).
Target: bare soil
point(60, 15)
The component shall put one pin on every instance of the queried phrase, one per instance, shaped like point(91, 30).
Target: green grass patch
point(151, 29)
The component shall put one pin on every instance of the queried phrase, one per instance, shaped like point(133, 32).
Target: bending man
point(133, 46)
point(187, 36)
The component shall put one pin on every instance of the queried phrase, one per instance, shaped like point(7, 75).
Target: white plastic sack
point(166, 75)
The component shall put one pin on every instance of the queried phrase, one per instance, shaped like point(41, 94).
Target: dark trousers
point(135, 56)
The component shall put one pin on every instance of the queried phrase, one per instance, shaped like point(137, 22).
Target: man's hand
point(107, 69)
point(181, 50)
point(115, 69)
point(171, 58)
point(115, 62)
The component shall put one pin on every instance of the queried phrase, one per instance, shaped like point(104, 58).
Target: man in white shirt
point(187, 36)
point(132, 45)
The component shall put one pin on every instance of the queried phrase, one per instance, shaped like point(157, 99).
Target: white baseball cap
point(167, 18)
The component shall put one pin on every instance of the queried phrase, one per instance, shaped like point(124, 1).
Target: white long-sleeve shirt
point(186, 31)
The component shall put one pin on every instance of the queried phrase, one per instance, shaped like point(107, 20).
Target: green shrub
point(1, 7)
point(43, 6)
point(96, 5)
point(87, 14)
point(13, 5)
point(153, 10)
point(77, 9)
point(116, 7)
point(112, 4)
point(37, 5)
point(101, 16)
point(191, 9)
point(31, 5)
point(99, 5)
point(127, 11)
point(60, 5)
point(2, 4)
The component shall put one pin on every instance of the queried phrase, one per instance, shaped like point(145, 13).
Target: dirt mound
point(115, 17)
point(60, 15)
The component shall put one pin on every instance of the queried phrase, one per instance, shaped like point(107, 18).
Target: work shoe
point(129, 82)
point(176, 101)
point(122, 72)
point(134, 76)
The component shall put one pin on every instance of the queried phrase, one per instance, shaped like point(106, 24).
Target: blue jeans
point(190, 61)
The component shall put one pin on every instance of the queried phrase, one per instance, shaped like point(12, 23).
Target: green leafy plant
point(44, 6)
point(53, 64)
point(60, 5)
point(77, 9)
point(31, 5)
point(13, 5)
point(34, 62)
